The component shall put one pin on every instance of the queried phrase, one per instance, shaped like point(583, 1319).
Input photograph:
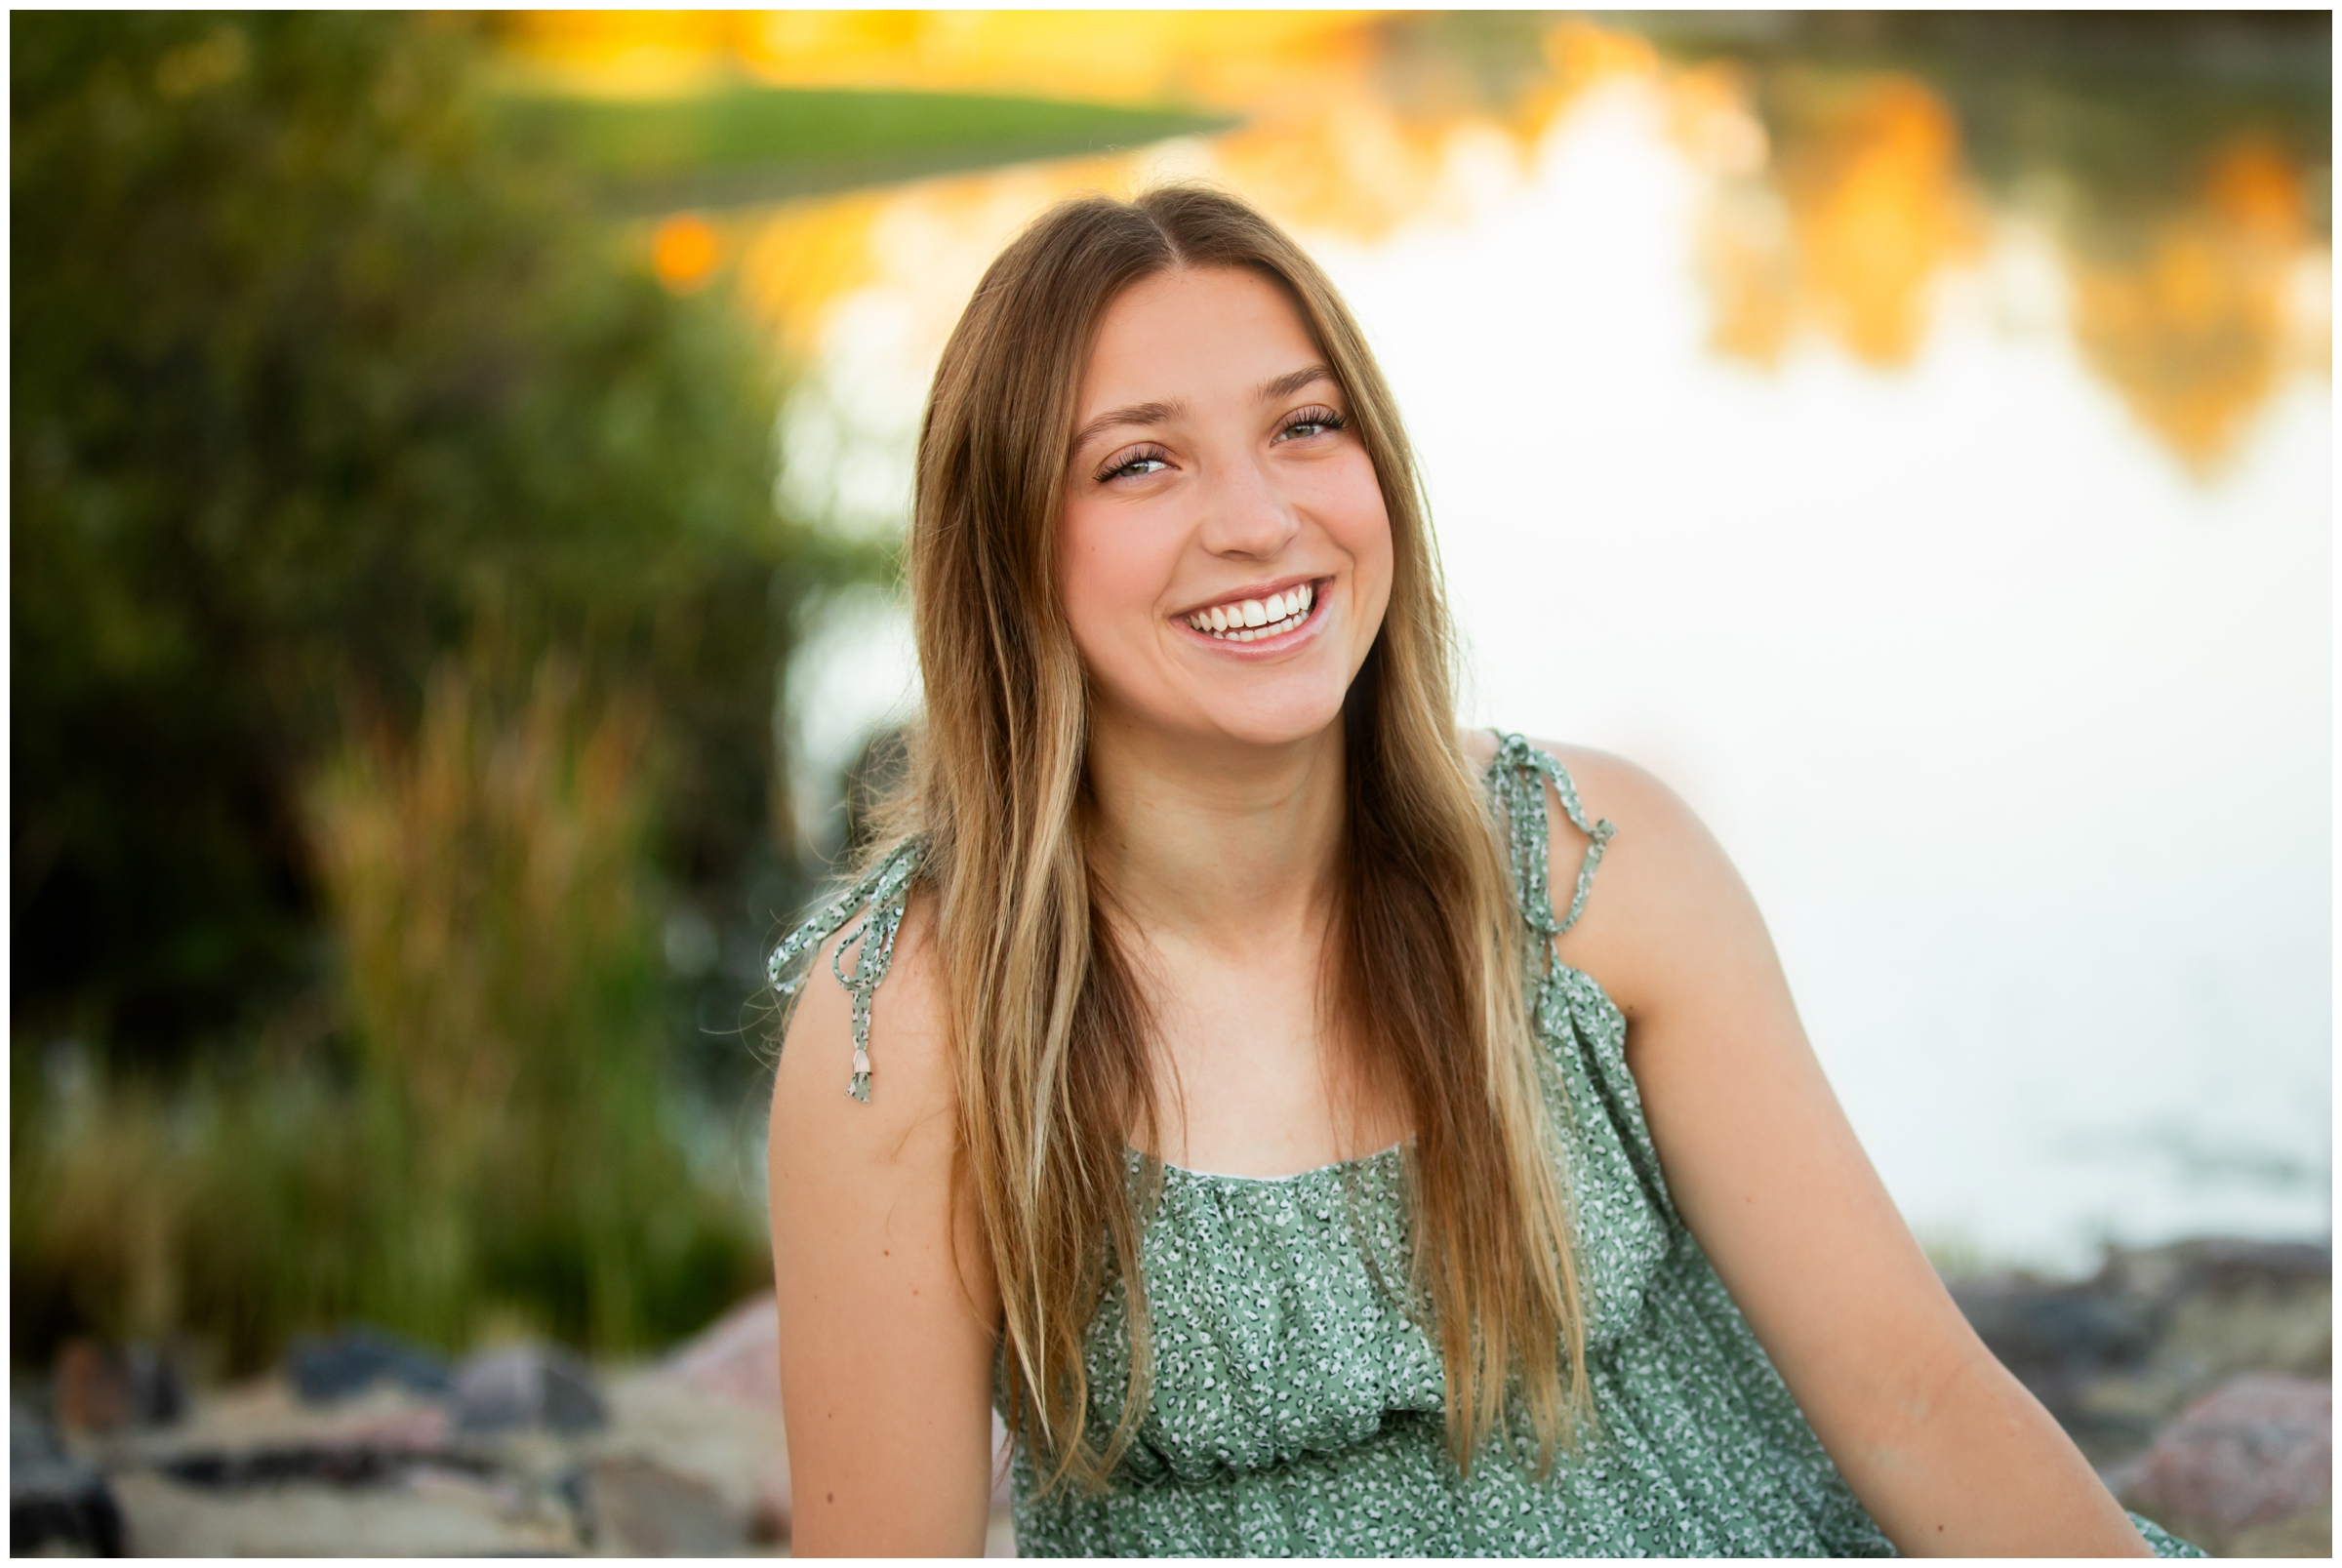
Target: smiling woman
point(1244, 1120)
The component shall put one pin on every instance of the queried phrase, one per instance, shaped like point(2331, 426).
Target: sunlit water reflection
point(1865, 514)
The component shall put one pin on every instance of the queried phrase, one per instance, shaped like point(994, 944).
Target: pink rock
point(2255, 1450)
point(736, 1357)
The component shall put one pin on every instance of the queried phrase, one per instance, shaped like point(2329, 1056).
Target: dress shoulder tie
point(1516, 781)
point(881, 892)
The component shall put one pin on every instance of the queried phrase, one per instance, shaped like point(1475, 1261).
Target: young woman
point(1250, 1088)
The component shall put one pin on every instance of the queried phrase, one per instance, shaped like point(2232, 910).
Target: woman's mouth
point(1256, 620)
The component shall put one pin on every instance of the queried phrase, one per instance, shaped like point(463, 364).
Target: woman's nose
point(1246, 514)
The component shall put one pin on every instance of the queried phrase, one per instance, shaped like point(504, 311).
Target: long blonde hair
point(1052, 1036)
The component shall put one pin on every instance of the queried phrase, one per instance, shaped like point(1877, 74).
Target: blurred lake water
point(1924, 466)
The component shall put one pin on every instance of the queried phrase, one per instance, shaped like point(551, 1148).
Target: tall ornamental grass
point(486, 1150)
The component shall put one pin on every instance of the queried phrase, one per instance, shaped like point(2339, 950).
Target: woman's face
point(1225, 551)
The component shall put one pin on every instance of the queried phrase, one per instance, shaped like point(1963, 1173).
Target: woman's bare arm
point(1947, 1450)
point(886, 1330)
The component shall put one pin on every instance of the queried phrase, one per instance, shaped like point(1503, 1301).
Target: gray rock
point(342, 1365)
point(739, 1448)
point(428, 1513)
point(2247, 1306)
point(2308, 1534)
point(158, 1396)
point(56, 1503)
point(525, 1386)
point(638, 1508)
point(2219, 1264)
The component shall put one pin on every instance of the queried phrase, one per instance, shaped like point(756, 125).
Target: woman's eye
point(1309, 422)
point(1145, 462)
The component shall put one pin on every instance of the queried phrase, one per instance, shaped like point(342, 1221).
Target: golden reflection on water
point(2197, 331)
point(1838, 222)
point(1845, 229)
point(1215, 58)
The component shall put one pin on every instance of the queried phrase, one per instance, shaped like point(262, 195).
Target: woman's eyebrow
point(1292, 381)
point(1135, 413)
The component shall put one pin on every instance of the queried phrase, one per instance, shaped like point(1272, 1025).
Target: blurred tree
point(316, 378)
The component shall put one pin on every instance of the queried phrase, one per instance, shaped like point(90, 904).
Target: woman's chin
point(1268, 715)
point(1272, 724)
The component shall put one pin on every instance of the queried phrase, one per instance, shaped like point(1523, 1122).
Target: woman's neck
point(1215, 843)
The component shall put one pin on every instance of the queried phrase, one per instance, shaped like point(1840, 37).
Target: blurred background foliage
point(315, 385)
point(398, 597)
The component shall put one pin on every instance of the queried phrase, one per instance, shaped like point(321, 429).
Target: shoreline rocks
point(2197, 1377)
point(2116, 1355)
point(55, 1503)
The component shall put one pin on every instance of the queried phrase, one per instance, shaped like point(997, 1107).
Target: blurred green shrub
point(495, 1156)
point(313, 376)
point(336, 986)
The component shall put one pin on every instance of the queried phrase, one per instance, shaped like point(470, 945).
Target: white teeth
point(1255, 619)
point(1256, 633)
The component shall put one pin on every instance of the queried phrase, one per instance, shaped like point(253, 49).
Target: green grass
point(747, 144)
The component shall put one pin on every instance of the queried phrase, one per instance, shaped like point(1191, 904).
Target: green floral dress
point(1297, 1404)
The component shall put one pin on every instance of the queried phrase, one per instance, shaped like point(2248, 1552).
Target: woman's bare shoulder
point(1664, 884)
point(1608, 784)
